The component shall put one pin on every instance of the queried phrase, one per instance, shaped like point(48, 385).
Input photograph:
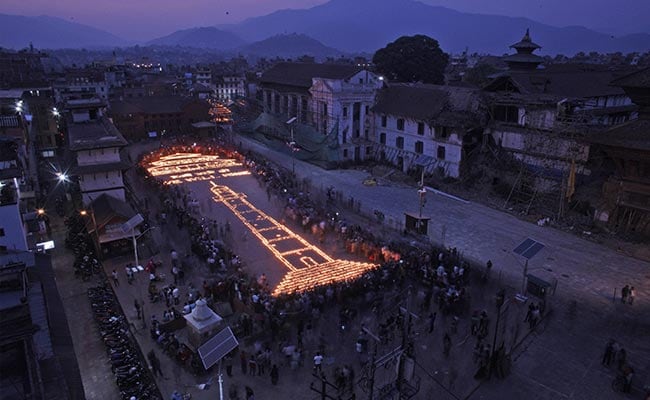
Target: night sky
point(146, 19)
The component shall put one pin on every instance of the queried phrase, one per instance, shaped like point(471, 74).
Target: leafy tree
point(412, 59)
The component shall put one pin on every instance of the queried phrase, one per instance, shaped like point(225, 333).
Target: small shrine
point(202, 323)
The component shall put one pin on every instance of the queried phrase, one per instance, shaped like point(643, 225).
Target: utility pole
point(500, 298)
point(323, 389)
point(371, 384)
point(405, 337)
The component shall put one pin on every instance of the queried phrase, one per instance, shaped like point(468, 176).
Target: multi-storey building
point(153, 116)
point(79, 84)
point(427, 126)
point(95, 145)
point(334, 100)
point(230, 87)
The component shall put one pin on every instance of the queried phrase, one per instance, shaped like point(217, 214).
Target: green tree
point(412, 59)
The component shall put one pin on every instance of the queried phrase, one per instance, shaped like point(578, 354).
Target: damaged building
point(625, 206)
point(427, 126)
point(543, 118)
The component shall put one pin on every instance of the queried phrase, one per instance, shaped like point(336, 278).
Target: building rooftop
point(150, 105)
point(637, 79)
point(575, 81)
point(633, 135)
point(301, 74)
point(94, 135)
point(428, 102)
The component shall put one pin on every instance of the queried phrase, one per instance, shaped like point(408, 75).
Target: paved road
point(564, 360)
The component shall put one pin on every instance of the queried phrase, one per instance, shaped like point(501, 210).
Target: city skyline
point(125, 19)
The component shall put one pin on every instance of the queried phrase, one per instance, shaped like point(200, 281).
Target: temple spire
point(524, 58)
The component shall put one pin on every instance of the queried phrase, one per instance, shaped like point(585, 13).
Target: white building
point(333, 99)
point(13, 232)
point(430, 126)
point(80, 85)
point(229, 88)
point(98, 164)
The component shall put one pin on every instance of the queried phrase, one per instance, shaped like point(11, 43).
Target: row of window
point(418, 147)
point(400, 124)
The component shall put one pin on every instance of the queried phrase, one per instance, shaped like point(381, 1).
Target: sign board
point(129, 225)
point(216, 348)
point(49, 245)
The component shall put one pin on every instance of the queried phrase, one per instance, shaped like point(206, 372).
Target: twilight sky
point(147, 19)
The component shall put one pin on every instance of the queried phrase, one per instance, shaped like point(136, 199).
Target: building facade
point(428, 127)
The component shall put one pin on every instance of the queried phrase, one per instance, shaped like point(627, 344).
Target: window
point(441, 152)
point(443, 131)
point(368, 150)
point(345, 111)
point(420, 128)
point(400, 124)
point(2, 232)
point(383, 121)
point(506, 114)
point(360, 80)
point(382, 138)
point(399, 142)
point(345, 153)
point(419, 147)
point(367, 110)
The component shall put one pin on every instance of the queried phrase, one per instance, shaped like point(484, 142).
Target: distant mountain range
point(52, 33)
point(289, 46)
point(351, 26)
point(367, 25)
point(205, 38)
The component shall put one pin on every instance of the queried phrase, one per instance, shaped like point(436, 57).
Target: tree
point(412, 59)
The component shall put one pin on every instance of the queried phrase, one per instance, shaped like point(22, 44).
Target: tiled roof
point(301, 74)
point(150, 105)
point(427, 102)
point(638, 79)
point(94, 135)
point(576, 82)
point(107, 207)
point(631, 135)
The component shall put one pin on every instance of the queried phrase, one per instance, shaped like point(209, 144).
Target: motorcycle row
point(127, 363)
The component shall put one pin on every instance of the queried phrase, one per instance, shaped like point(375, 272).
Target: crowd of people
point(284, 327)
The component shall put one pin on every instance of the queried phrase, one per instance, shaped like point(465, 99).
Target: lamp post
point(85, 213)
point(292, 145)
point(500, 299)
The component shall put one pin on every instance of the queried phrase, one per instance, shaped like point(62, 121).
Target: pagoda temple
point(524, 59)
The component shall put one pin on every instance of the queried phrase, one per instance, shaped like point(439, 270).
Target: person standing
point(432, 320)
point(609, 353)
point(176, 294)
point(446, 344)
point(115, 280)
point(229, 365)
point(630, 295)
point(624, 293)
point(129, 274)
point(137, 308)
point(275, 375)
point(318, 361)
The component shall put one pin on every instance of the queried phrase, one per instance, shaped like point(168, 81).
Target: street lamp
point(499, 299)
point(40, 211)
point(292, 145)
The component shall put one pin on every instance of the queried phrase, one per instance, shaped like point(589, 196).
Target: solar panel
point(217, 347)
point(523, 246)
point(534, 249)
point(528, 248)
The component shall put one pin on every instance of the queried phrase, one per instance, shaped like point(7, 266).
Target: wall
point(98, 156)
point(431, 139)
point(14, 230)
